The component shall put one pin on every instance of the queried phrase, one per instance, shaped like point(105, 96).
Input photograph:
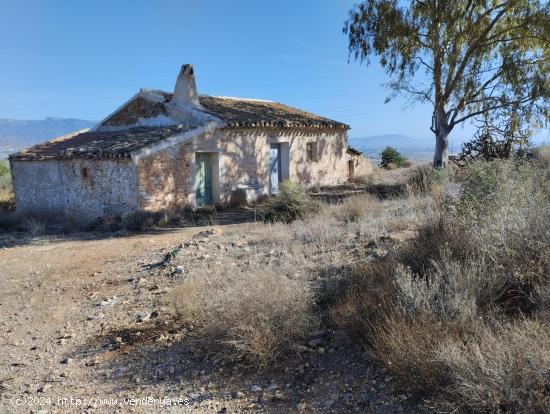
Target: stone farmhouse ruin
point(165, 150)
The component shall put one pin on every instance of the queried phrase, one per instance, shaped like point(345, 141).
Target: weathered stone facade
point(163, 151)
point(84, 190)
point(166, 178)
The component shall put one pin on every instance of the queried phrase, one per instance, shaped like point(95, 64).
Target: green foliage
point(466, 58)
point(6, 189)
point(291, 203)
point(391, 155)
point(493, 190)
point(4, 169)
point(505, 205)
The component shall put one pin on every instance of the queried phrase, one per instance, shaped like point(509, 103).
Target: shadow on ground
point(164, 356)
point(51, 233)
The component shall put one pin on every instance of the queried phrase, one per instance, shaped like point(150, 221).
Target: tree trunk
point(441, 130)
point(441, 155)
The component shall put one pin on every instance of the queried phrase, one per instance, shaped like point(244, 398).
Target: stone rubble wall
point(167, 178)
point(82, 190)
point(362, 165)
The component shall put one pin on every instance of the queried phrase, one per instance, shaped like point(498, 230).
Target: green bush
point(391, 156)
point(291, 203)
point(6, 189)
point(4, 169)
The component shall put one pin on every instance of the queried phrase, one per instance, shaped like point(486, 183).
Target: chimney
point(185, 91)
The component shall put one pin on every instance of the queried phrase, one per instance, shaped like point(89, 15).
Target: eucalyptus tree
point(467, 58)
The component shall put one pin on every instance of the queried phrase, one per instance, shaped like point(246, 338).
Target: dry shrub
point(366, 179)
point(505, 208)
point(437, 312)
point(292, 202)
point(542, 156)
point(399, 329)
point(424, 178)
point(138, 221)
point(147, 220)
point(440, 234)
point(355, 208)
point(256, 317)
point(363, 298)
point(452, 290)
point(36, 226)
point(406, 344)
point(502, 367)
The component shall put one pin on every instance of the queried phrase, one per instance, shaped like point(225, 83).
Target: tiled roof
point(105, 143)
point(89, 144)
point(234, 112)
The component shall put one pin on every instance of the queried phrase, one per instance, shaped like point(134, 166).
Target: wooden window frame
point(312, 151)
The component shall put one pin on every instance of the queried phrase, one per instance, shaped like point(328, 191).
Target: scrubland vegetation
point(442, 278)
point(6, 190)
point(461, 311)
point(447, 288)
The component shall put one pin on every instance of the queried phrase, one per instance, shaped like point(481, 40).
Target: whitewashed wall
point(58, 188)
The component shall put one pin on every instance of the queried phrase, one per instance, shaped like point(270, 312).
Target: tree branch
point(450, 85)
point(488, 109)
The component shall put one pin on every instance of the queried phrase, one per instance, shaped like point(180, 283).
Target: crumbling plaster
point(83, 190)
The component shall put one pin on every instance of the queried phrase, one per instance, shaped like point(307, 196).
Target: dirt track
point(49, 307)
point(85, 329)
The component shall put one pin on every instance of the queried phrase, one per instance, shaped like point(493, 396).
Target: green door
point(203, 179)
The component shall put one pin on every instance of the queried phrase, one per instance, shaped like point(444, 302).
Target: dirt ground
point(84, 329)
point(51, 305)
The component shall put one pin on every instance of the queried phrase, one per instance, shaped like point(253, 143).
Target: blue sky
point(82, 59)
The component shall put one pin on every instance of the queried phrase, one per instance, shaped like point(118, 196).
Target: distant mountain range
point(17, 134)
point(394, 140)
point(417, 149)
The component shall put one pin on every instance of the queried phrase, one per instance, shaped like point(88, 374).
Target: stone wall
point(163, 177)
point(362, 166)
point(166, 177)
point(250, 148)
point(80, 190)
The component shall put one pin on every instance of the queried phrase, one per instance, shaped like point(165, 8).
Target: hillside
point(16, 134)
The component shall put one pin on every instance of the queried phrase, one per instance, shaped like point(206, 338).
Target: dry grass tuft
point(501, 367)
point(355, 208)
point(255, 318)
